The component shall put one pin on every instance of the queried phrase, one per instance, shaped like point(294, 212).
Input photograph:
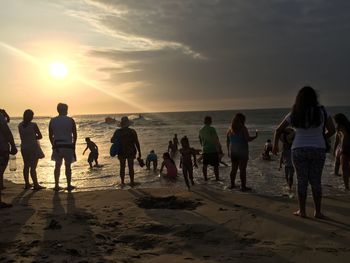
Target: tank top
point(28, 135)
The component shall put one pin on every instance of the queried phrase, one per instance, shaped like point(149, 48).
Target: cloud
point(223, 49)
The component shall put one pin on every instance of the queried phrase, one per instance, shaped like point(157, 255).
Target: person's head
point(342, 122)
point(238, 123)
point(62, 109)
point(268, 141)
point(125, 122)
point(27, 117)
point(306, 109)
point(170, 142)
point(87, 139)
point(207, 120)
point(152, 151)
point(6, 116)
point(166, 156)
point(185, 142)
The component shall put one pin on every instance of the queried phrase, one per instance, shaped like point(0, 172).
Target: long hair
point(238, 123)
point(27, 117)
point(166, 156)
point(306, 112)
point(343, 121)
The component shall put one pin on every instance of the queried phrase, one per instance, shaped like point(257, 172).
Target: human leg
point(57, 172)
point(205, 172)
point(26, 168)
point(185, 173)
point(68, 169)
point(346, 170)
point(155, 165)
point(301, 168)
point(316, 165)
point(131, 170)
point(233, 173)
point(243, 174)
point(122, 162)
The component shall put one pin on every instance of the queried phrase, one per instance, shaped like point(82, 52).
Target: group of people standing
point(304, 133)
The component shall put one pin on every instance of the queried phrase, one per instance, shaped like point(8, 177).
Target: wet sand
point(168, 225)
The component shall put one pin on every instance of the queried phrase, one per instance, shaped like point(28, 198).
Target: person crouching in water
point(170, 166)
point(152, 158)
point(186, 160)
point(93, 155)
point(267, 149)
point(287, 138)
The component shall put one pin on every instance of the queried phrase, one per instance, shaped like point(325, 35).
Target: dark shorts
point(4, 159)
point(92, 156)
point(211, 159)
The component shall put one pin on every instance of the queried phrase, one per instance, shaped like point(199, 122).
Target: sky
point(171, 55)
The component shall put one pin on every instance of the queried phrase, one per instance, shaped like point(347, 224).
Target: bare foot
point(57, 188)
point(70, 188)
point(320, 216)
point(301, 214)
point(38, 187)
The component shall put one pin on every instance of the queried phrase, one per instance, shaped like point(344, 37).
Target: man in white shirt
point(63, 138)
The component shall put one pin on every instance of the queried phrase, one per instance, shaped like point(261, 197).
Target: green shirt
point(208, 138)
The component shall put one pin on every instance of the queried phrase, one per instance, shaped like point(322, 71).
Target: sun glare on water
point(58, 70)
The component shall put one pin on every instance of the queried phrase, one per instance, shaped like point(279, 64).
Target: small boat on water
point(110, 120)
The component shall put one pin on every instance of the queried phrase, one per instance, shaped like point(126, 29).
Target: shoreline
point(109, 226)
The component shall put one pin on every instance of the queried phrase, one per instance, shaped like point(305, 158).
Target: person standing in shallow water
point(211, 145)
point(313, 126)
point(30, 149)
point(63, 138)
point(238, 149)
point(129, 147)
point(7, 146)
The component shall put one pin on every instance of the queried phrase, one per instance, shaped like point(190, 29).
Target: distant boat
point(110, 120)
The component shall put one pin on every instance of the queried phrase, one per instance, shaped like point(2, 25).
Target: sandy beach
point(168, 225)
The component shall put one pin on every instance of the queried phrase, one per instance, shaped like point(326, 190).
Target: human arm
point(85, 150)
point(330, 128)
point(194, 158)
point(137, 144)
point(38, 134)
point(281, 162)
point(74, 133)
point(5, 130)
point(161, 167)
point(336, 144)
point(247, 136)
point(51, 136)
point(278, 132)
point(228, 143)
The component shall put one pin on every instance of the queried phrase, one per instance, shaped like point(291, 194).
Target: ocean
point(154, 132)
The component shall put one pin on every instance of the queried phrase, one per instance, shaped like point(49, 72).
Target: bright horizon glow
point(58, 70)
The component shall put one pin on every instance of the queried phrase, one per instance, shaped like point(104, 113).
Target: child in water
point(170, 165)
point(286, 156)
point(93, 155)
point(267, 149)
point(152, 158)
point(186, 160)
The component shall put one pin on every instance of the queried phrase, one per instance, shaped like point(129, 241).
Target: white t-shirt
point(62, 129)
point(310, 137)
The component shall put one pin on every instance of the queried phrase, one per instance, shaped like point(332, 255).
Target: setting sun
point(58, 70)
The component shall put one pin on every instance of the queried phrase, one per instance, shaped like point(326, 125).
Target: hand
point(13, 150)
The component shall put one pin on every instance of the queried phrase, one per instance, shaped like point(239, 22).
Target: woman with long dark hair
point(30, 149)
point(313, 127)
point(343, 128)
point(237, 147)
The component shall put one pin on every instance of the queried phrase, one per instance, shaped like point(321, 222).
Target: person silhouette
point(63, 138)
